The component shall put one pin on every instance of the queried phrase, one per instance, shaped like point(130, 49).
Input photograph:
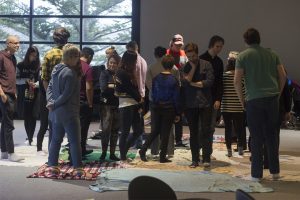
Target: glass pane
point(99, 56)
point(107, 30)
point(14, 26)
point(108, 7)
point(58, 7)
point(14, 7)
point(43, 28)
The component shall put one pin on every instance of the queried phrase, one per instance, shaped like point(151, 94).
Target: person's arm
point(89, 92)
point(189, 76)
point(238, 76)
point(281, 77)
point(149, 79)
point(49, 95)
point(208, 81)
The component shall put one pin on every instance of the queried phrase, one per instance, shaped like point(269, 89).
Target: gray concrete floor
point(15, 185)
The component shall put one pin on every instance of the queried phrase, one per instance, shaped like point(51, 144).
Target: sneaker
point(229, 153)
point(103, 156)
point(206, 164)
point(41, 153)
point(275, 177)
point(27, 143)
point(86, 152)
point(143, 156)
point(14, 157)
point(241, 151)
point(4, 155)
point(194, 164)
point(253, 179)
point(113, 157)
point(164, 160)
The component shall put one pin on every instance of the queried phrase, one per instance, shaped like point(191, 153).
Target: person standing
point(86, 96)
point(130, 102)
point(215, 46)
point(264, 81)
point(176, 51)
point(109, 108)
point(197, 80)
point(63, 102)
point(165, 108)
point(231, 108)
point(152, 72)
point(8, 96)
point(28, 75)
point(140, 74)
point(51, 58)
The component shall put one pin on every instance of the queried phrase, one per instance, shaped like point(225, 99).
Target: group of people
point(181, 83)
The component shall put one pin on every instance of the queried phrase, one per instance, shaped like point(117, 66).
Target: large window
point(94, 23)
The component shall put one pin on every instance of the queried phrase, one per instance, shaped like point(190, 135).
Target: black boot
point(143, 155)
point(113, 157)
point(164, 160)
point(103, 155)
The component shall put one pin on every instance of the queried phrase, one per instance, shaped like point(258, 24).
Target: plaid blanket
point(65, 170)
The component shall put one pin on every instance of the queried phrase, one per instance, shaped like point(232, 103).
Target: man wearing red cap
point(180, 60)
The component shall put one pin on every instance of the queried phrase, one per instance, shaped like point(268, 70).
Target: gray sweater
point(63, 94)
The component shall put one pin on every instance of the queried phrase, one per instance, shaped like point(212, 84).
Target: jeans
point(199, 136)
point(44, 121)
point(86, 114)
point(235, 119)
point(29, 120)
point(161, 126)
point(129, 117)
point(7, 124)
point(156, 142)
point(72, 128)
point(111, 124)
point(262, 119)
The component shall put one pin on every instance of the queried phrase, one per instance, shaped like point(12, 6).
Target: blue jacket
point(64, 94)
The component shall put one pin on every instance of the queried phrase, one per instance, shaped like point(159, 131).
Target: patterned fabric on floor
point(65, 171)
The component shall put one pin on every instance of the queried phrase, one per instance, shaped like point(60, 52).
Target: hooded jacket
point(63, 94)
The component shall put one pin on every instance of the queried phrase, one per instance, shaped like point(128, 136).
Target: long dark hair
point(36, 64)
point(128, 63)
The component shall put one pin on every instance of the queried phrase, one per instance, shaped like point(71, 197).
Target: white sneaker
point(4, 155)
point(26, 142)
point(253, 179)
point(206, 164)
point(275, 177)
point(41, 153)
point(14, 157)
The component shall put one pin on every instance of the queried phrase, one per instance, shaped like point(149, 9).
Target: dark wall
point(197, 20)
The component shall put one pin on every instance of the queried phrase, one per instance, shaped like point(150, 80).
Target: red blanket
point(65, 170)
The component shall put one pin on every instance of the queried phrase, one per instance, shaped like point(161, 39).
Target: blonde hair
point(69, 51)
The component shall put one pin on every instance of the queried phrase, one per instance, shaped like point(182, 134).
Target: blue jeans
point(262, 119)
point(72, 128)
point(129, 117)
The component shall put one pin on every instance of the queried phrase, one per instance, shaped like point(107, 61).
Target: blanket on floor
point(190, 181)
point(94, 169)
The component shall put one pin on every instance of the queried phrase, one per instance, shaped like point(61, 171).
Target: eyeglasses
point(15, 43)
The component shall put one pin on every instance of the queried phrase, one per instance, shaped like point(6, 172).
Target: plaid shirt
point(52, 58)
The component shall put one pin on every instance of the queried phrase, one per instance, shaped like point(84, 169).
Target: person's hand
point(287, 116)
point(49, 106)
point(217, 105)
point(3, 95)
point(177, 118)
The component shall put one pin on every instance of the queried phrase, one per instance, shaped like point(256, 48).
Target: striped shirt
point(230, 99)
